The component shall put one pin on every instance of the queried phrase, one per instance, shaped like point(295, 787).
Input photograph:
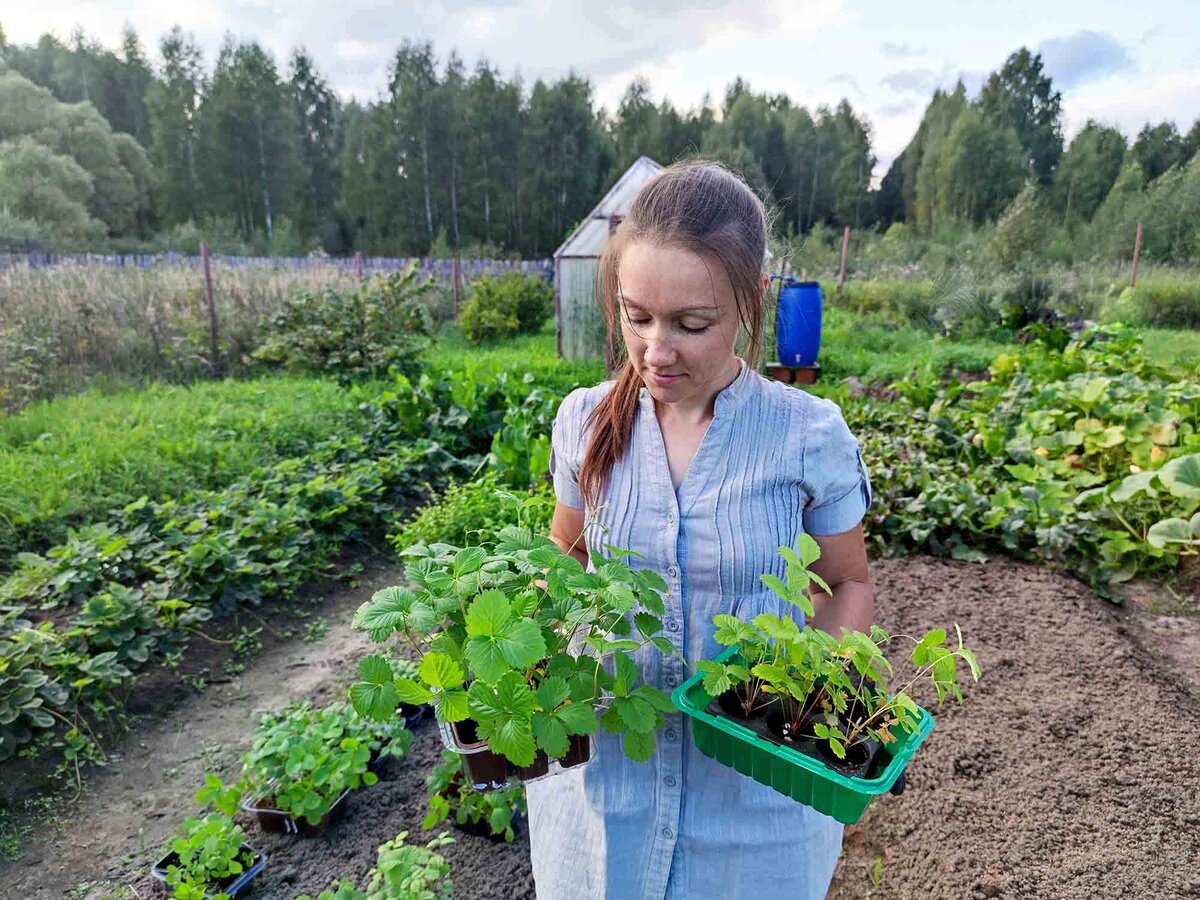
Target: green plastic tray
point(803, 778)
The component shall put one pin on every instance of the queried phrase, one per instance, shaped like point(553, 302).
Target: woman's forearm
point(852, 606)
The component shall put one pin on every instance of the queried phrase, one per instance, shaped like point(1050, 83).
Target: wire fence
point(438, 268)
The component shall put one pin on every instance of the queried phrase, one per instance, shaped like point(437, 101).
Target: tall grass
point(65, 326)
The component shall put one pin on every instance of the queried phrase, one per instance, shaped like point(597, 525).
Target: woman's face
point(679, 319)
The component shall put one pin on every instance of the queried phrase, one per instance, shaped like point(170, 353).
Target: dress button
point(672, 681)
point(669, 781)
point(672, 625)
point(672, 571)
point(668, 833)
point(671, 518)
point(669, 734)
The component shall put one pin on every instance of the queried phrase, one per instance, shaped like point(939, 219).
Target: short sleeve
point(566, 450)
point(834, 474)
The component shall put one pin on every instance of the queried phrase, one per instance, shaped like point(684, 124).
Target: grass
point(870, 351)
point(70, 460)
point(1168, 346)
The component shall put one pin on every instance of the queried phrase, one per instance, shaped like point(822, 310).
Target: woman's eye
point(698, 330)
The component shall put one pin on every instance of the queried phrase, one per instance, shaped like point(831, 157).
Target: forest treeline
point(101, 148)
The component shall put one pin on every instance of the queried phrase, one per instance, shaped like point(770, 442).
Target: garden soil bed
point(1026, 792)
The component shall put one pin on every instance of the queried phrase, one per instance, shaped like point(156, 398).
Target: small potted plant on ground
point(304, 763)
point(208, 858)
point(490, 814)
point(810, 714)
point(511, 638)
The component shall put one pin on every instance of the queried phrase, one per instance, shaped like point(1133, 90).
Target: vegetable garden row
point(1076, 452)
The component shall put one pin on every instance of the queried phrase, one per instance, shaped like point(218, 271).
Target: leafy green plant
point(504, 305)
point(835, 689)
point(209, 851)
point(451, 796)
point(354, 334)
point(494, 627)
point(303, 760)
point(402, 871)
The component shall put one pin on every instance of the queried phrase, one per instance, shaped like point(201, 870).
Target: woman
point(706, 469)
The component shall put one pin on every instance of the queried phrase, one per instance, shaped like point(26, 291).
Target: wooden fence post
point(454, 279)
point(358, 264)
point(842, 270)
point(214, 349)
point(1137, 251)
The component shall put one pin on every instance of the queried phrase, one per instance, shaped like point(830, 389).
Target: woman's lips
point(663, 380)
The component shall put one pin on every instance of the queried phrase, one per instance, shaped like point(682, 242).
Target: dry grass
point(67, 326)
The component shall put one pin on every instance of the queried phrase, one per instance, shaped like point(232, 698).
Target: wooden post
point(454, 278)
point(358, 264)
point(1137, 251)
point(214, 349)
point(842, 270)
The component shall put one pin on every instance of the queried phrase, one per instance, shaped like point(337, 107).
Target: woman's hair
point(701, 207)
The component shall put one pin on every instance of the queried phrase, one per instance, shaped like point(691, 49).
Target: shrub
point(1161, 301)
point(471, 513)
point(355, 334)
point(503, 305)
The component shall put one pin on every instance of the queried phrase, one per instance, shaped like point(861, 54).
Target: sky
point(1124, 64)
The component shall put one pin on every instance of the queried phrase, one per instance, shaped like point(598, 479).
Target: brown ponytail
point(697, 206)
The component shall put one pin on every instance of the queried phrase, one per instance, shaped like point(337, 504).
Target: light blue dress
point(775, 461)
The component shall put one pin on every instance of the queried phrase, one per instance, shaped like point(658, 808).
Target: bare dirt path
point(1071, 771)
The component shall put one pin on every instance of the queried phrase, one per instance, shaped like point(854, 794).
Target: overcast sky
point(1122, 63)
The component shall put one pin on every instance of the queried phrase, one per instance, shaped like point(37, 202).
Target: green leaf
point(777, 587)
point(409, 691)
point(578, 718)
point(374, 701)
point(1130, 486)
point(626, 671)
point(553, 692)
point(732, 630)
point(635, 712)
point(439, 671)
point(638, 745)
point(618, 596)
point(1171, 531)
point(646, 624)
point(810, 550)
point(488, 614)
point(550, 735)
point(716, 678)
point(451, 705)
point(1181, 476)
point(375, 669)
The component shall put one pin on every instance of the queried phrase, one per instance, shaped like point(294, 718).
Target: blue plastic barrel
point(798, 323)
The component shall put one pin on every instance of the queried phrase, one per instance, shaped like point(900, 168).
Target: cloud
point(902, 108)
point(1131, 104)
point(1084, 56)
point(900, 50)
point(849, 81)
point(912, 81)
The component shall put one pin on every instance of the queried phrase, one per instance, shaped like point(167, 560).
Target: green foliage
point(1159, 299)
point(406, 871)
point(471, 512)
point(353, 334)
point(505, 305)
point(73, 459)
point(833, 688)
point(451, 796)
point(210, 850)
point(303, 760)
point(1023, 463)
point(494, 625)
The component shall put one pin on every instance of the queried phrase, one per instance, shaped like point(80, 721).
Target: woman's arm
point(566, 530)
point(843, 566)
